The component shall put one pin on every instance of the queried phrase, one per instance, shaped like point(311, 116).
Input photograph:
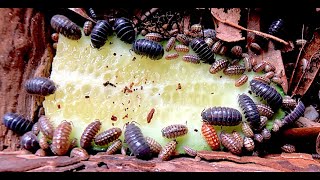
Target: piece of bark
point(25, 52)
point(305, 132)
point(305, 122)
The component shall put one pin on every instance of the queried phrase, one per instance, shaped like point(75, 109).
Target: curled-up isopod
point(100, 32)
point(89, 133)
point(170, 44)
point(124, 30)
point(288, 102)
point(191, 152)
point(241, 80)
point(262, 79)
point(218, 65)
point(40, 153)
point(174, 131)
point(236, 51)
point(228, 141)
point(246, 129)
point(266, 134)
point(87, 27)
point(41, 86)
point(181, 48)
point(153, 36)
point(168, 150)
point(171, 56)
point(221, 116)
point(148, 48)
point(183, 39)
point(107, 136)
point(259, 67)
point(60, 141)
point(255, 47)
point(191, 58)
point(248, 143)
point(297, 112)
point(237, 136)
point(288, 148)
point(17, 123)
point(201, 48)
point(35, 128)
point(43, 143)
point(29, 141)
point(211, 136)
point(46, 126)
point(258, 137)
point(155, 147)
point(114, 147)
point(234, 70)
point(79, 153)
point(250, 110)
point(265, 110)
point(65, 26)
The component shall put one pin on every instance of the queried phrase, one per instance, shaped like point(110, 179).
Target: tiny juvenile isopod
point(259, 67)
point(221, 116)
point(153, 36)
point(191, 58)
point(255, 47)
point(183, 39)
point(80, 153)
point(234, 70)
point(239, 139)
point(236, 51)
point(265, 110)
point(35, 128)
point(248, 143)
point(114, 147)
point(288, 148)
point(216, 47)
point(241, 80)
point(46, 126)
point(89, 133)
point(196, 28)
point(262, 79)
point(201, 48)
point(29, 141)
point(65, 26)
point(171, 56)
point(209, 41)
point(288, 102)
point(100, 32)
point(266, 134)
point(60, 141)
point(108, 136)
point(170, 44)
point(155, 147)
point(190, 151)
point(87, 27)
point(17, 123)
point(124, 30)
point(41, 86)
point(148, 48)
point(174, 131)
point(218, 66)
point(228, 141)
point(181, 48)
point(168, 150)
point(249, 109)
point(211, 136)
point(246, 129)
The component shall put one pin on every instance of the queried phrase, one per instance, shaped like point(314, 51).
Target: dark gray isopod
point(124, 30)
point(222, 116)
point(29, 141)
point(100, 33)
point(297, 112)
point(17, 123)
point(201, 48)
point(41, 86)
point(250, 110)
point(65, 26)
point(148, 48)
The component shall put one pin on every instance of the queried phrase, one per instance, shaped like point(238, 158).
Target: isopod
point(183, 39)
point(269, 67)
point(218, 66)
point(29, 141)
point(87, 27)
point(89, 133)
point(170, 44)
point(40, 153)
point(265, 110)
point(269, 75)
point(136, 142)
point(124, 30)
point(234, 70)
point(246, 129)
point(241, 80)
point(151, 49)
point(66, 27)
point(80, 153)
point(100, 32)
point(196, 28)
point(267, 92)
point(259, 67)
point(171, 56)
point(210, 135)
point(263, 122)
point(168, 150)
point(174, 130)
point(17, 123)
point(297, 112)
point(288, 102)
point(181, 48)
point(55, 37)
point(255, 47)
point(46, 127)
point(266, 134)
point(201, 48)
point(43, 142)
point(248, 143)
point(108, 136)
point(155, 147)
point(237, 136)
point(236, 51)
point(258, 137)
point(262, 79)
point(114, 147)
point(221, 116)
point(190, 151)
point(247, 63)
point(223, 50)
point(35, 128)
point(153, 36)
point(277, 80)
point(60, 141)
point(228, 141)
point(209, 41)
point(288, 148)
point(191, 58)
point(276, 27)
point(249, 109)
point(209, 33)
point(41, 86)
point(216, 47)
point(92, 13)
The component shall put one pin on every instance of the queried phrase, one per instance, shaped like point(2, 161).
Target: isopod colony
point(56, 140)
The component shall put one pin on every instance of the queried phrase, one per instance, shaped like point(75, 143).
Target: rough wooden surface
point(25, 52)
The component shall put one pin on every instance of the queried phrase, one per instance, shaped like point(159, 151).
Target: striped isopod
point(269, 67)
point(237, 136)
point(40, 153)
point(241, 80)
point(100, 33)
point(124, 30)
point(297, 112)
point(276, 27)
point(262, 79)
point(183, 39)
point(190, 151)
point(89, 133)
point(171, 56)
point(92, 13)
point(66, 27)
point(246, 129)
point(263, 123)
point(221, 116)
point(269, 75)
point(258, 137)
point(46, 127)
point(17, 123)
point(218, 66)
point(151, 49)
point(191, 58)
point(87, 27)
point(265, 110)
point(234, 70)
point(248, 143)
point(114, 147)
point(153, 36)
point(168, 150)
point(181, 48)
point(35, 128)
point(170, 44)
point(80, 153)
point(43, 142)
point(216, 47)
point(29, 141)
point(266, 134)
point(174, 130)
point(259, 67)
point(288, 148)
point(155, 147)
point(249, 109)
point(55, 37)
point(137, 142)
point(209, 33)
point(288, 102)
point(228, 141)
point(108, 136)
point(196, 28)
point(210, 135)
point(209, 41)
point(41, 86)
point(255, 47)
point(201, 48)
point(247, 63)
point(236, 51)
point(267, 92)
point(60, 141)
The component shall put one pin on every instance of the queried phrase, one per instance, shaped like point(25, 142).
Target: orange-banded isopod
point(191, 58)
point(229, 142)
point(89, 133)
point(114, 147)
point(170, 44)
point(155, 147)
point(181, 48)
point(46, 127)
point(262, 79)
point(248, 143)
point(41, 86)
point(171, 56)
point(168, 150)
point(210, 135)
point(174, 131)
point(108, 136)
point(288, 148)
point(60, 141)
point(87, 27)
point(190, 151)
point(265, 110)
point(259, 67)
point(80, 153)
point(246, 129)
point(65, 26)
point(218, 65)
point(183, 39)
point(153, 36)
point(241, 80)
point(234, 70)
point(236, 51)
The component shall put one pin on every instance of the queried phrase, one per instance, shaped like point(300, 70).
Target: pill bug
point(171, 56)
point(80, 153)
point(196, 28)
point(151, 49)
point(234, 70)
point(35, 128)
point(191, 58)
point(43, 143)
point(89, 133)
point(228, 141)
point(108, 136)
point(249, 109)
point(209, 41)
point(170, 44)
point(288, 102)
point(183, 39)
point(218, 66)
point(237, 136)
point(181, 48)
point(114, 147)
point(17, 123)
point(201, 48)
point(258, 137)
point(247, 63)
point(124, 30)
point(266, 92)
point(136, 142)
point(63, 25)
point(191, 152)
point(246, 129)
point(209, 33)
point(174, 131)
point(259, 67)
point(288, 148)
point(276, 27)
point(216, 47)
point(55, 37)
point(255, 47)
point(41, 86)
point(153, 36)
point(262, 79)
point(100, 32)
point(266, 134)
point(168, 150)
point(40, 153)
point(248, 143)
point(29, 141)
point(60, 141)
point(46, 127)
point(297, 112)
point(241, 80)
point(211, 136)
point(236, 51)
point(221, 116)
point(269, 75)
point(87, 27)
point(155, 147)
